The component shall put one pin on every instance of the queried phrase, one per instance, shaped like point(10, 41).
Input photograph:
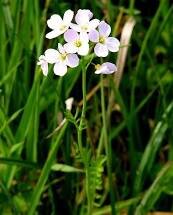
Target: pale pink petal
point(84, 37)
point(72, 60)
point(60, 69)
point(93, 24)
point(83, 49)
point(101, 50)
point(106, 68)
point(41, 59)
point(75, 27)
point(87, 12)
point(53, 34)
point(83, 16)
point(61, 48)
point(104, 29)
point(54, 21)
point(111, 67)
point(44, 67)
point(70, 35)
point(70, 48)
point(112, 44)
point(102, 70)
point(68, 16)
point(94, 36)
point(51, 55)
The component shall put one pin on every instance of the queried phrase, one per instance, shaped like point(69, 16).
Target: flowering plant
point(80, 38)
point(85, 37)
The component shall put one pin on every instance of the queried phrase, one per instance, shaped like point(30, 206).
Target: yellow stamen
point(63, 27)
point(84, 27)
point(97, 66)
point(101, 39)
point(63, 56)
point(78, 43)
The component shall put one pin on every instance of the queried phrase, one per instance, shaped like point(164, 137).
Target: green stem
point(80, 128)
point(45, 173)
point(132, 3)
point(107, 147)
point(81, 124)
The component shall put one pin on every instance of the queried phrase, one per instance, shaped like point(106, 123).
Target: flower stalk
point(107, 145)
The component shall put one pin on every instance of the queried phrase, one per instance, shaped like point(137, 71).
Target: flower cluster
point(80, 38)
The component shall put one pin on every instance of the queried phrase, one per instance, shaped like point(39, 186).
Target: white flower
point(104, 42)
point(105, 68)
point(69, 103)
point(61, 59)
point(59, 25)
point(76, 43)
point(84, 24)
point(44, 64)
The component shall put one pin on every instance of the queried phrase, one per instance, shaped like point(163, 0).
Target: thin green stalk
point(131, 7)
point(81, 124)
point(82, 120)
point(80, 128)
point(45, 173)
point(107, 147)
point(100, 145)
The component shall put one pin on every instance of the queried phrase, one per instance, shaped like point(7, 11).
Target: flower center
point(78, 43)
point(84, 27)
point(101, 39)
point(62, 27)
point(97, 66)
point(63, 56)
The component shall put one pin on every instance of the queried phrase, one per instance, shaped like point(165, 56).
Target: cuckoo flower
point(84, 24)
point(59, 25)
point(105, 68)
point(76, 43)
point(104, 42)
point(61, 59)
point(44, 64)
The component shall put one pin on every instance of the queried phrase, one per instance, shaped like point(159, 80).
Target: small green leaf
point(65, 168)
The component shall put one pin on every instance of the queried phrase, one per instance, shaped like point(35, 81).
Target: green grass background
point(133, 172)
